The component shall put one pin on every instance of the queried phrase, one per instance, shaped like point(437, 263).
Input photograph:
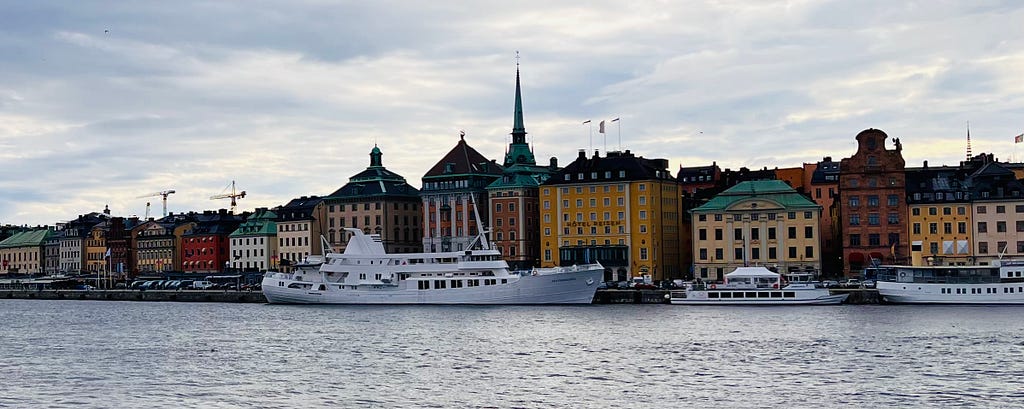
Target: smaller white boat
point(755, 286)
point(1001, 282)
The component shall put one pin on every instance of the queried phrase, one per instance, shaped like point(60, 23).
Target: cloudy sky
point(102, 102)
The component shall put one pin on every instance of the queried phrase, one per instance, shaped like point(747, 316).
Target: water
point(131, 354)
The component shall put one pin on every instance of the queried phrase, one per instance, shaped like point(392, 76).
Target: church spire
point(375, 155)
point(518, 150)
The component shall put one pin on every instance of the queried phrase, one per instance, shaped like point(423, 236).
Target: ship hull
point(932, 293)
point(568, 287)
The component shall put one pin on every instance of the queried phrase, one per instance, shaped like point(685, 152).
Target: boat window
point(737, 295)
point(726, 295)
point(712, 294)
point(776, 294)
point(762, 294)
point(438, 284)
point(788, 294)
point(504, 281)
point(751, 295)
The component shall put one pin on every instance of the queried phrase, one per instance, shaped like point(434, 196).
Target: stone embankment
point(136, 295)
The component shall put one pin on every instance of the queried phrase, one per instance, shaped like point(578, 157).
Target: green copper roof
point(772, 190)
point(27, 238)
point(260, 223)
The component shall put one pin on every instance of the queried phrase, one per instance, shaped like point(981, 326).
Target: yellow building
point(620, 210)
point(96, 248)
point(939, 217)
point(762, 222)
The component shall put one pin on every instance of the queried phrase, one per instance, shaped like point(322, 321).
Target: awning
point(856, 258)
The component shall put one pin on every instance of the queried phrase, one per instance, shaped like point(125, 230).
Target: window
point(643, 215)
point(703, 254)
point(1020, 225)
point(873, 219)
point(792, 232)
point(947, 228)
point(809, 252)
point(874, 239)
point(933, 248)
point(738, 253)
point(933, 228)
point(702, 234)
point(1019, 209)
point(755, 233)
point(792, 252)
point(982, 210)
point(872, 201)
point(961, 227)
point(915, 211)
point(983, 247)
point(791, 215)
point(1001, 227)
point(755, 253)
point(719, 253)
point(854, 201)
point(718, 234)
point(916, 228)
point(894, 218)
point(702, 217)
point(854, 239)
point(771, 233)
point(982, 227)
point(808, 215)
point(932, 211)
point(773, 253)
point(947, 211)
point(854, 220)
point(962, 210)
point(643, 251)
point(808, 232)
point(737, 234)
point(1000, 209)
point(893, 200)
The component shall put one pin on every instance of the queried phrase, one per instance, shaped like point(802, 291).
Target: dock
point(136, 295)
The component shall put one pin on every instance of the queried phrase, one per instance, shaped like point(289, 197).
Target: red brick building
point(873, 206)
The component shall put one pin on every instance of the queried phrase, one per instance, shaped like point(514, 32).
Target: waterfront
point(130, 354)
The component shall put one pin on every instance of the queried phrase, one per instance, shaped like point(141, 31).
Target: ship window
point(762, 294)
point(726, 295)
point(737, 295)
point(789, 294)
point(504, 281)
point(751, 295)
point(712, 294)
point(1011, 290)
point(776, 294)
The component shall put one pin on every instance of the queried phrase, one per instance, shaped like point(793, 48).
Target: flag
point(600, 127)
point(892, 250)
point(586, 122)
point(108, 254)
point(615, 120)
point(1018, 138)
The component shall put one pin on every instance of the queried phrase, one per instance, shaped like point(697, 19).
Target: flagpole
point(620, 132)
point(591, 133)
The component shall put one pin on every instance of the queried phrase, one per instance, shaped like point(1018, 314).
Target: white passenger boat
point(365, 274)
point(999, 283)
point(755, 286)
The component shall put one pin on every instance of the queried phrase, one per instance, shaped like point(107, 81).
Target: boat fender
point(776, 285)
point(713, 286)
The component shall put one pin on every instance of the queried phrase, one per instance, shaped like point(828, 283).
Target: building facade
point(873, 204)
point(158, 243)
point(756, 223)
point(299, 224)
point(24, 252)
point(254, 242)
point(454, 195)
point(997, 212)
point(939, 216)
point(206, 245)
point(376, 201)
point(620, 210)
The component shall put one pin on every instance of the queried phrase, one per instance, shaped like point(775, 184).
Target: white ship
point(999, 283)
point(365, 274)
point(755, 286)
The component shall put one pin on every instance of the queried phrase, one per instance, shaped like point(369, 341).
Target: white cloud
point(102, 102)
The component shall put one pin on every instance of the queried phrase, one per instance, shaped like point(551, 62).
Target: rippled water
point(131, 354)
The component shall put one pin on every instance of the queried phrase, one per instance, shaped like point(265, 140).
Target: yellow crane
point(163, 193)
point(234, 196)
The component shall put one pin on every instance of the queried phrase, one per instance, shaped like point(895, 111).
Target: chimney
point(554, 162)
point(583, 154)
point(926, 164)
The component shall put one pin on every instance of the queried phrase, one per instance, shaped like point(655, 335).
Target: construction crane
point(162, 193)
point(234, 196)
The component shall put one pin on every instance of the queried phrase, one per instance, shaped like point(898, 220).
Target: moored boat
point(365, 274)
point(755, 286)
point(999, 283)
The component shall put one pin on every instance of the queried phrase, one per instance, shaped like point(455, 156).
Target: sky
point(105, 101)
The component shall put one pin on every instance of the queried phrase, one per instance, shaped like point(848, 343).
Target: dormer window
point(872, 143)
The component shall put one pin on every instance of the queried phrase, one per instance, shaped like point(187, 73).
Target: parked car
point(852, 283)
point(869, 283)
point(202, 285)
point(830, 284)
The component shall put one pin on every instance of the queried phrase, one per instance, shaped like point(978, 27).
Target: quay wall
point(627, 296)
point(136, 295)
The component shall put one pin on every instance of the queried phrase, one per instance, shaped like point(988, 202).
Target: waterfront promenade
point(857, 296)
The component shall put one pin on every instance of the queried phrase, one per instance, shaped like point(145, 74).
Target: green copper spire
point(518, 151)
